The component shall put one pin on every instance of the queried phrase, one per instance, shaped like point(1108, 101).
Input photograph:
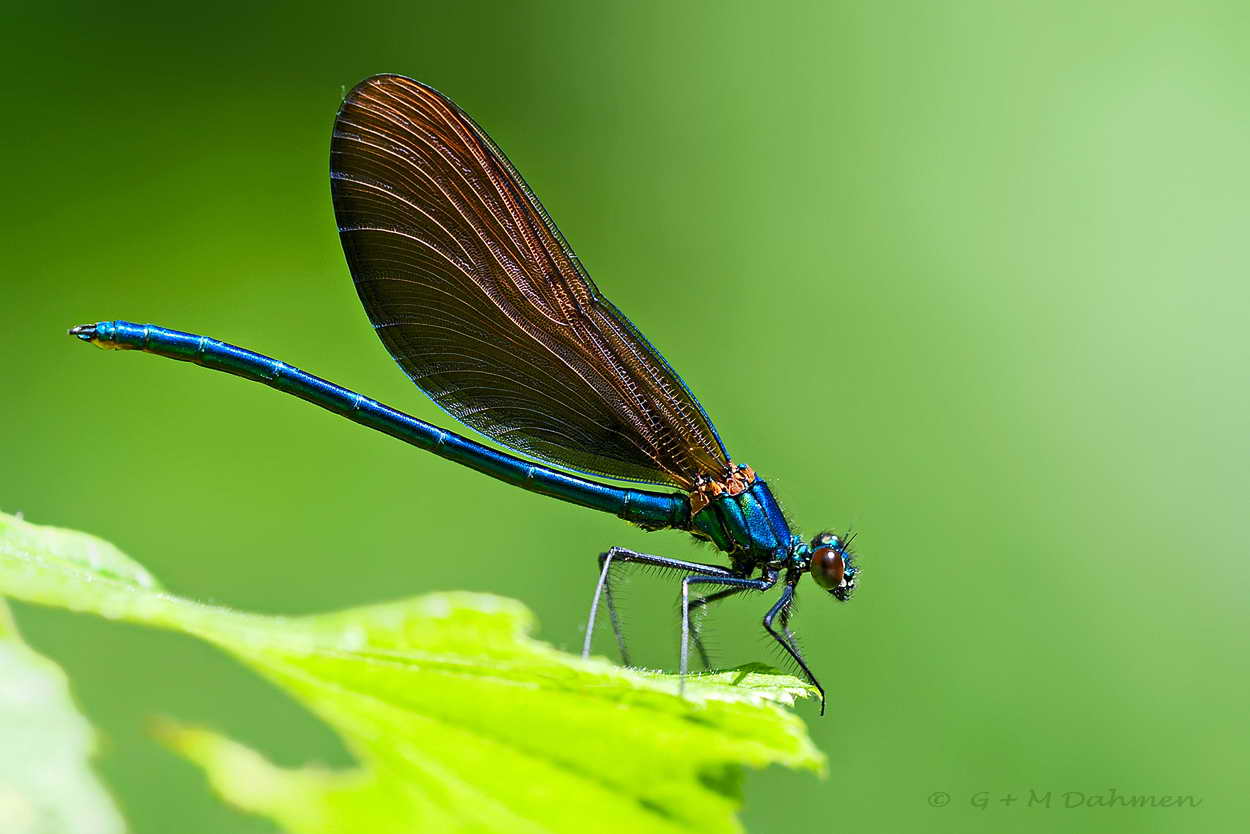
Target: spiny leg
point(782, 607)
point(784, 611)
point(735, 582)
point(604, 587)
point(696, 620)
point(783, 619)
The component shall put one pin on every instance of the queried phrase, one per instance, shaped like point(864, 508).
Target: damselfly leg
point(729, 583)
point(698, 612)
point(781, 612)
point(697, 573)
point(620, 556)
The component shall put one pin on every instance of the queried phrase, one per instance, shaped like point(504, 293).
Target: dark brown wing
point(481, 301)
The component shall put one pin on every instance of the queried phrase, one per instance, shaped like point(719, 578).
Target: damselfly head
point(832, 565)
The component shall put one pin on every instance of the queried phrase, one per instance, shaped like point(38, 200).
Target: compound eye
point(828, 567)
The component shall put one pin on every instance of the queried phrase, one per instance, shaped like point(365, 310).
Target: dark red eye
point(828, 567)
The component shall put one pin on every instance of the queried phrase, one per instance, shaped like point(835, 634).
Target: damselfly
point(483, 304)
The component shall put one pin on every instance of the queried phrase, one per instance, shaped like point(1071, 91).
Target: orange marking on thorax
point(738, 481)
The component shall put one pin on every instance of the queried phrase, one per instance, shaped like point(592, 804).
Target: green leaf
point(460, 720)
point(46, 784)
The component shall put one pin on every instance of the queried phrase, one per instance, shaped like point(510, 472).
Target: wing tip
point(389, 79)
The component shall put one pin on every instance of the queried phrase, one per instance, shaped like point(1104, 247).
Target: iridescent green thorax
point(748, 526)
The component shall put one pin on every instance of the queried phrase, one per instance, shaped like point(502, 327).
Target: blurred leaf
point(460, 720)
point(46, 784)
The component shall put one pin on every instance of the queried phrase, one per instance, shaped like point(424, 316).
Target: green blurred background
point(971, 277)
